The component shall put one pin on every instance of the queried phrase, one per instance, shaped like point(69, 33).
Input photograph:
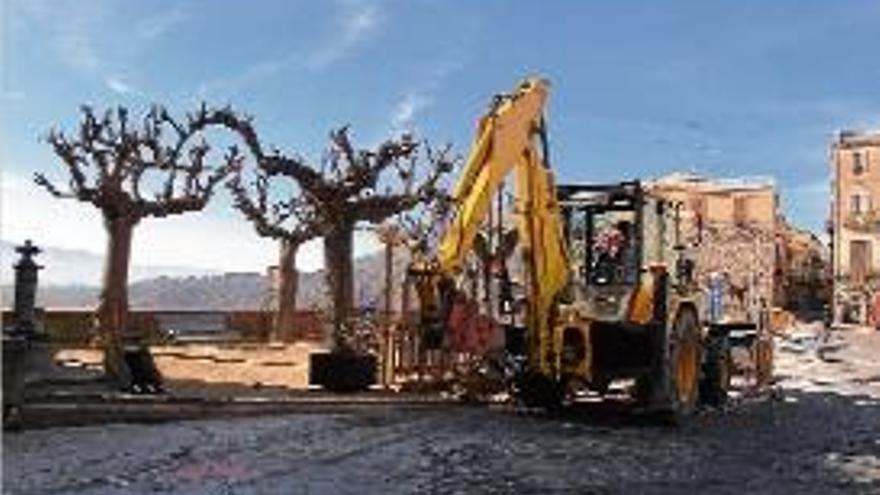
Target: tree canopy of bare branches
point(349, 186)
point(131, 169)
point(108, 157)
point(368, 186)
point(287, 218)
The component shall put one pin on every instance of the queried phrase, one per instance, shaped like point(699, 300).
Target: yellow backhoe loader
point(608, 292)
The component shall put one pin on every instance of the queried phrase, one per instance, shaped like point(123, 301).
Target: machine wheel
point(717, 372)
point(763, 353)
point(601, 385)
point(672, 388)
point(536, 390)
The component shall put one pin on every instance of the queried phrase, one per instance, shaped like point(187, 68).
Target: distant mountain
point(224, 291)
point(57, 296)
point(78, 268)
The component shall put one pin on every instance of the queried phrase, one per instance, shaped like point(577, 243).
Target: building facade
point(855, 227)
point(803, 281)
point(730, 227)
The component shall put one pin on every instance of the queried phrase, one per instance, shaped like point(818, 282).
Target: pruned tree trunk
point(113, 309)
point(129, 172)
point(287, 287)
point(386, 345)
point(338, 261)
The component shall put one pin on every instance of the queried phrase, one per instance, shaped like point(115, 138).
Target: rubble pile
point(745, 255)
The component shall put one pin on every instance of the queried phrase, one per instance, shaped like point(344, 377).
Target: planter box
point(342, 372)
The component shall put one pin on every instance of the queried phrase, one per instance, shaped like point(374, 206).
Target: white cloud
point(200, 240)
point(223, 86)
point(355, 22)
point(119, 86)
point(76, 46)
point(29, 212)
point(12, 95)
point(156, 26)
point(360, 21)
point(69, 26)
point(217, 239)
point(406, 110)
point(76, 32)
point(420, 96)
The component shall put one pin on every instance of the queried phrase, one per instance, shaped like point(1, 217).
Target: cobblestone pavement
point(819, 433)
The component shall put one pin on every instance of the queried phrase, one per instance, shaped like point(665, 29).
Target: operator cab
point(622, 241)
point(604, 229)
point(602, 225)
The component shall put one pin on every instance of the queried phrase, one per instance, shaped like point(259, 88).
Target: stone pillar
point(17, 341)
point(26, 270)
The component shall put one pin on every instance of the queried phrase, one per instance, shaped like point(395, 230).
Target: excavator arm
point(507, 141)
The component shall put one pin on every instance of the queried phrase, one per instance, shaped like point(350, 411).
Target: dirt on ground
point(268, 365)
point(817, 431)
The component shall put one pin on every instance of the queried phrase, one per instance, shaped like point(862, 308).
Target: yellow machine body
point(574, 329)
point(507, 142)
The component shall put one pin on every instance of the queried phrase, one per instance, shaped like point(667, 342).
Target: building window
point(859, 261)
point(740, 211)
point(858, 163)
point(860, 203)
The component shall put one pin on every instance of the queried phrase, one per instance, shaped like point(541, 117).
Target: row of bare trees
point(161, 166)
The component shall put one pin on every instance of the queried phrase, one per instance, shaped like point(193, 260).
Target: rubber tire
point(601, 386)
point(536, 390)
point(657, 390)
point(764, 361)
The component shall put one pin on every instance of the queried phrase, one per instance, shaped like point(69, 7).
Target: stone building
point(855, 226)
point(730, 201)
point(730, 226)
point(803, 281)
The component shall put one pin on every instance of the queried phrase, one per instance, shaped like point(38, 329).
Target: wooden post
point(412, 337)
point(390, 236)
point(386, 337)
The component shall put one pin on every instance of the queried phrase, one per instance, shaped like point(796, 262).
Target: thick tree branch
point(273, 220)
point(108, 159)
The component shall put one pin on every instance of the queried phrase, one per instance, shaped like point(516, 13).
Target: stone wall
point(746, 257)
point(729, 227)
point(77, 326)
point(803, 282)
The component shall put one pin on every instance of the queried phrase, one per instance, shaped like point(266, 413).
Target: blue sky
point(639, 89)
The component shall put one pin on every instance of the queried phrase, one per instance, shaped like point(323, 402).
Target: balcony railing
point(864, 222)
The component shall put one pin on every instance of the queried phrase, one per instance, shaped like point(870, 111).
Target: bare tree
point(368, 186)
point(422, 226)
point(131, 172)
point(348, 187)
point(289, 219)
